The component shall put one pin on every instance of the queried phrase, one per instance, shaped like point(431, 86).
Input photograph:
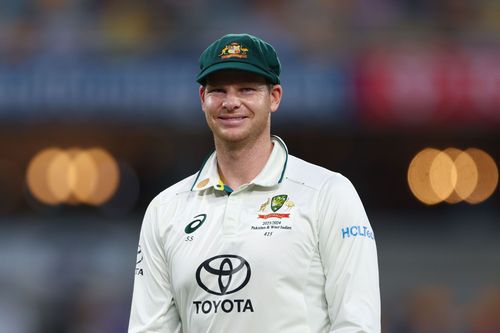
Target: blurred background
point(99, 112)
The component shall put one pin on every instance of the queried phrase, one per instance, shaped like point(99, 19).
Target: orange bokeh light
point(73, 176)
point(452, 175)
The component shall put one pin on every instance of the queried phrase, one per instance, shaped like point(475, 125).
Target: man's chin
point(232, 136)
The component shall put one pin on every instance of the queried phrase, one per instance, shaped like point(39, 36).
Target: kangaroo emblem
point(264, 205)
point(289, 204)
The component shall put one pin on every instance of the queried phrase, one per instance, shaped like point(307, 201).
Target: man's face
point(238, 104)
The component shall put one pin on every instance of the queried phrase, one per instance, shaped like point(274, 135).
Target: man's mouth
point(231, 117)
point(232, 120)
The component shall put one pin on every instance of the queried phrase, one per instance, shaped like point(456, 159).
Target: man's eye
point(248, 89)
point(215, 90)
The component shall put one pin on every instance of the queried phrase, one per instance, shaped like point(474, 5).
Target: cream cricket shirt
point(291, 252)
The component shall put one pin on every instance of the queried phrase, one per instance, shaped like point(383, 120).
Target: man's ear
point(202, 91)
point(276, 94)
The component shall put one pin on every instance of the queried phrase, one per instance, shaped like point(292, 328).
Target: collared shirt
point(292, 251)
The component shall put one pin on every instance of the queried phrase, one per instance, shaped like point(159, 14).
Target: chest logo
point(223, 274)
point(276, 203)
point(195, 224)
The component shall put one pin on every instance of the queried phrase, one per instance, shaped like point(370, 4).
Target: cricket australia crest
point(278, 201)
point(275, 204)
point(234, 50)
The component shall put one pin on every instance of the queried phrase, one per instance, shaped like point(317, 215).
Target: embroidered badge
point(234, 50)
point(276, 203)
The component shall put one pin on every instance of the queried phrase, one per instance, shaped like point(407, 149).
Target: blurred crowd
point(72, 30)
point(438, 309)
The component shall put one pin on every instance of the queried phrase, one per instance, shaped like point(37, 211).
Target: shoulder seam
point(302, 183)
point(182, 192)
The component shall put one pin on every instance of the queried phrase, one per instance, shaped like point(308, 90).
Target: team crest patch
point(234, 50)
point(276, 203)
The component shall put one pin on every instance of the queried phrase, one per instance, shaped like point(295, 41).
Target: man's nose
point(231, 102)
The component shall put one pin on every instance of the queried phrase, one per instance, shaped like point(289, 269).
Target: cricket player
point(257, 240)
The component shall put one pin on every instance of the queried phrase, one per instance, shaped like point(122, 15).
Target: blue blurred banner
point(149, 92)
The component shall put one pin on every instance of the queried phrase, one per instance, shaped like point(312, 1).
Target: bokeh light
point(73, 176)
point(442, 175)
point(86, 177)
point(106, 178)
point(452, 175)
point(487, 176)
point(466, 175)
point(37, 179)
point(60, 176)
point(419, 176)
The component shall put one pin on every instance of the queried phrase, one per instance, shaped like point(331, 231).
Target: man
point(257, 240)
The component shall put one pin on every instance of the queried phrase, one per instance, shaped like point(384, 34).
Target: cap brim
point(242, 66)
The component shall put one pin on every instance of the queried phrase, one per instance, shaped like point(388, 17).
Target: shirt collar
point(272, 173)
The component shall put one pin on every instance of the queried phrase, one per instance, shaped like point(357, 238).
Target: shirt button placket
point(232, 214)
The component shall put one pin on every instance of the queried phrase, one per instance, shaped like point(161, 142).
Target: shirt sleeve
point(349, 257)
point(153, 307)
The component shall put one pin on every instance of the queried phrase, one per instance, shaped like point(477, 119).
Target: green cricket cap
point(242, 52)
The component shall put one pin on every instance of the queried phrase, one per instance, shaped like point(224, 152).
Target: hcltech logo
point(223, 275)
point(357, 231)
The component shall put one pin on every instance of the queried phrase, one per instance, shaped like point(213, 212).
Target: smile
point(231, 117)
point(231, 120)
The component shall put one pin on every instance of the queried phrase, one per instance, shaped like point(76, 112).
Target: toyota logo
point(223, 274)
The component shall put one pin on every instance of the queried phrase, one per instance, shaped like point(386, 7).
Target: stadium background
point(367, 85)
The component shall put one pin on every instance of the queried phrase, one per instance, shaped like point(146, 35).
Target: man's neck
point(240, 164)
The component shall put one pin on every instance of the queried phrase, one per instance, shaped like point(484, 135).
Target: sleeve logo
point(357, 231)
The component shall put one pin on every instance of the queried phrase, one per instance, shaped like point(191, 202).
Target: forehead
point(233, 76)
